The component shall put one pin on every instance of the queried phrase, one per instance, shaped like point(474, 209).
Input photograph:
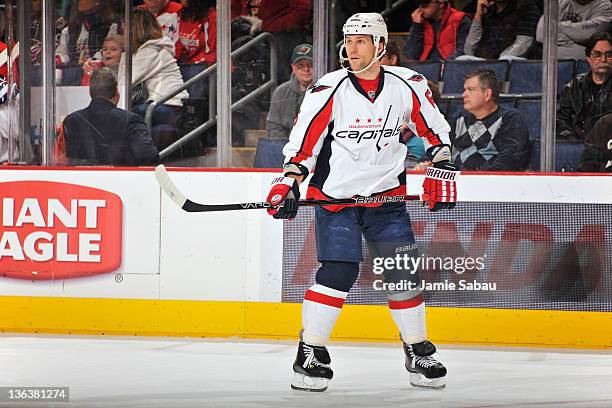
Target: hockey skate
point(311, 368)
point(425, 371)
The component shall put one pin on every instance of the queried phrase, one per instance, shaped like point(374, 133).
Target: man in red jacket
point(438, 31)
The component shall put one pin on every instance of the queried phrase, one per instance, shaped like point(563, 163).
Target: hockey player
point(348, 132)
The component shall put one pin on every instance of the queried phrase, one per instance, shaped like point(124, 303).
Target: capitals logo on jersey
point(371, 129)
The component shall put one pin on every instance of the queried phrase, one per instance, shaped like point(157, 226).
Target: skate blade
point(420, 381)
point(301, 382)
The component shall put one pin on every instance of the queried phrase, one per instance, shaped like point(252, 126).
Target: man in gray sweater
point(288, 97)
point(578, 21)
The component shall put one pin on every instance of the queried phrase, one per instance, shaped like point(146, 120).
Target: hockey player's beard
point(358, 64)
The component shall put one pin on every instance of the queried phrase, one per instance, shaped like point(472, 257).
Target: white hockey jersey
point(353, 144)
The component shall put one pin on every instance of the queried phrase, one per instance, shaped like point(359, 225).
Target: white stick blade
point(168, 186)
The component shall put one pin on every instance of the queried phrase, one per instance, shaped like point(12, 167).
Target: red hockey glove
point(286, 191)
point(440, 185)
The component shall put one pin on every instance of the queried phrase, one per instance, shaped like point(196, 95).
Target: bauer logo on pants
point(54, 230)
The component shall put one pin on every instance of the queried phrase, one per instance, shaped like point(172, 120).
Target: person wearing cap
point(288, 97)
point(438, 31)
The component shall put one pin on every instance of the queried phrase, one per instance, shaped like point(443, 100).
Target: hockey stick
point(186, 204)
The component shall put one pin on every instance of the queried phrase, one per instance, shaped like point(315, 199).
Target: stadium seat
point(269, 153)
point(443, 106)
point(567, 156)
point(532, 111)
point(534, 156)
point(454, 107)
point(455, 72)
point(581, 67)
point(431, 69)
point(526, 76)
point(565, 73)
point(71, 76)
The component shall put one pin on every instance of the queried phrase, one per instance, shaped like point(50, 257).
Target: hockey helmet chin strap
point(344, 60)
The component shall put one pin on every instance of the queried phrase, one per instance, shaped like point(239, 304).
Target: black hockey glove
point(286, 191)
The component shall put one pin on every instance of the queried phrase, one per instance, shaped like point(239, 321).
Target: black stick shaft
point(191, 206)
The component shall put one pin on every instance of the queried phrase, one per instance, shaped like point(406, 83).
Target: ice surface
point(167, 372)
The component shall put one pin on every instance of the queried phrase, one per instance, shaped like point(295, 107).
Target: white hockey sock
point(409, 317)
point(320, 310)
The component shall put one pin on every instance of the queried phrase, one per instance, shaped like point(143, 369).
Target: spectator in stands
point(36, 41)
point(84, 35)
point(288, 21)
point(67, 10)
point(503, 29)
point(112, 48)
point(154, 66)
point(587, 97)
point(196, 48)
point(105, 134)
point(488, 137)
point(246, 11)
point(197, 38)
point(392, 55)
point(8, 115)
point(288, 97)
point(9, 108)
point(36, 31)
point(167, 14)
point(597, 153)
point(2, 24)
point(4, 56)
point(438, 31)
point(578, 21)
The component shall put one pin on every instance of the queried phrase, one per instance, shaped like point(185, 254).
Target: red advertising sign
point(51, 230)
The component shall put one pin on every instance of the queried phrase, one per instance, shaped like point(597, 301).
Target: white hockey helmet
point(365, 24)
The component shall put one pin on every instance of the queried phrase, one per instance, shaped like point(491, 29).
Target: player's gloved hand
point(440, 185)
point(286, 190)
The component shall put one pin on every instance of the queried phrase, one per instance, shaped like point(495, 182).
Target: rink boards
point(73, 259)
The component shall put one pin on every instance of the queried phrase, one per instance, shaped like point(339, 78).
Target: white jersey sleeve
point(425, 118)
point(310, 126)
